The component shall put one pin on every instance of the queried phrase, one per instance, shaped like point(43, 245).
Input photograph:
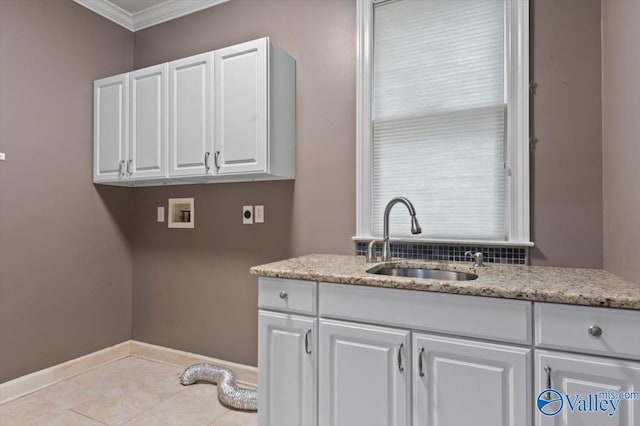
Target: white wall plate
point(181, 213)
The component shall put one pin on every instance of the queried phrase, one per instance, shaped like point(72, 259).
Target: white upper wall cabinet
point(110, 128)
point(148, 125)
point(221, 116)
point(191, 115)
point(241, 107)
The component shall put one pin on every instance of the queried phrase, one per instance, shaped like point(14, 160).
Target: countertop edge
point(502, 291)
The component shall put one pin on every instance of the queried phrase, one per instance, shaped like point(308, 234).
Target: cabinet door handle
point(400, 367)
point(129, 167)
point(307, 345)
point(120, 172)
point(420, 366)
point(547, 370)
point(216, 155)
point(206, 160)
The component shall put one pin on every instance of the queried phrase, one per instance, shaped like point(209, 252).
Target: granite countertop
point(576, 286)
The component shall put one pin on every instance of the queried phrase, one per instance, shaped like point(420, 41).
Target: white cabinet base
point(463, 382)
point(572, 374)
point(364, 375)
point(396, 357)
point(287, 375)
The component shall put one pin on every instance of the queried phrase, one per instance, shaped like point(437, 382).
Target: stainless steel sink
point(434, 274)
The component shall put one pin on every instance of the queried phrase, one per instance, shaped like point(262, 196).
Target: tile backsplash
point(450, 252)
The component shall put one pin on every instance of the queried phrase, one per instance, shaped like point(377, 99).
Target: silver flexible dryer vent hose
point(228, 392)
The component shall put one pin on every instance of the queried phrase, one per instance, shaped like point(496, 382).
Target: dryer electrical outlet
point(247, 215)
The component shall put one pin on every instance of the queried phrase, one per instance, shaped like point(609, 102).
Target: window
point(443, 118)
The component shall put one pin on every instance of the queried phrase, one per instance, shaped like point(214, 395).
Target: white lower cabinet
point(336, 354)
point(288, 367)
point(464, 382)
point(585, 385)
point(392, 372)
point(364, 374)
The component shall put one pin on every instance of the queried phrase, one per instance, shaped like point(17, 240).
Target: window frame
point(517, 127)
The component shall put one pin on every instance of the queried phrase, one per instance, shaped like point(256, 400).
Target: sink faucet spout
point(415, 226)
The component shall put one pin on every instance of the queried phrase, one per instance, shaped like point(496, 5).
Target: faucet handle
point(371, 252)
point(478, 258)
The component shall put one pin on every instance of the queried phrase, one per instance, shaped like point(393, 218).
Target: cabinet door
point(241, 107)
point(463, 382)
point(191, 116)
point(148, 140)
point(286, 369)
point(584, 382)
point(364, 374)
point(110, 128)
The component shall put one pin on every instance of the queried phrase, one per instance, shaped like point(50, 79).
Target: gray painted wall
point(566, 165)
point(191, 288)
point(65, 261)
point(621, 130)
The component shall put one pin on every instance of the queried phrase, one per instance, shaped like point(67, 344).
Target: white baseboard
point(246, 375)
point(39, 379)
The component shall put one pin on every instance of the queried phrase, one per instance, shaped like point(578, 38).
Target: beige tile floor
point(130, 391)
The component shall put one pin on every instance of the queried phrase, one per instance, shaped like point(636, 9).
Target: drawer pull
point(283, 295)
point(400, 367)
point(595, 331)
point(420, 367)
point(547, 370)
point(307, 347)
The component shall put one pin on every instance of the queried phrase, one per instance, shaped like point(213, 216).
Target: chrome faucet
point(415, 226)
point(478, 258)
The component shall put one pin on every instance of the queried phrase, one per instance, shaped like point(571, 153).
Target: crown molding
point(169, 10)
point(110, 11)
point(163, 12)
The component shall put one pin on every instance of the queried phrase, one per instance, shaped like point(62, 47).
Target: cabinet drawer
point(473, 316)
point(567, 327)
point(288, 295)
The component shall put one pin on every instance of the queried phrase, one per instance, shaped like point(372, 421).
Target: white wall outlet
point(161, 214)
point(2, 156)
point(259, 214)
point(247, 215)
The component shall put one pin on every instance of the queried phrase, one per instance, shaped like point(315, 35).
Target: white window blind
point(439, 116)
